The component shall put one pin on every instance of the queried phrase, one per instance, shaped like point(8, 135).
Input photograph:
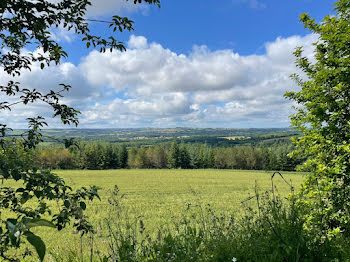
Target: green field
point(158, 195)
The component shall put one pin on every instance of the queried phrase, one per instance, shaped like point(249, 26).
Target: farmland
point(154, 136)
point(158, 195)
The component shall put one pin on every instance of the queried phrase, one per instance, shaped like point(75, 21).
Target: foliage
point(184, 157)
point(55, 159)
point(174, 156)
point(101, 155)
point(25, 26)
point(39, 187)
point(123, 157)
point(323, 117)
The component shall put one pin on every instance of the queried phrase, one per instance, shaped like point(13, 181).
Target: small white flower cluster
point(234, 259)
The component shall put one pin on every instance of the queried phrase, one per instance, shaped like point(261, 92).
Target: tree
point(211, 158)
point(92, 156)
point(111, 157)
point(132, 157)
point(323, 117)
point(184, 157)
point(55, 158)
point(141, 159)
point(174, 155)
point(159, 157)
point(123, 157)
point(26, 25)
point(220, 157)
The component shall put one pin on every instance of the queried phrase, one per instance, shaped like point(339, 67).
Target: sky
point(191, 63)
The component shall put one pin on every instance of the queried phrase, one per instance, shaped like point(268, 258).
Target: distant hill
point(144, 136)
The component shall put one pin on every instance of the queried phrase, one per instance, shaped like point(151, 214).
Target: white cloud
point(137, 42)
point(98, 8)
point(149, 85)
point(61, 34)
point(107, 7)
point(221, 87)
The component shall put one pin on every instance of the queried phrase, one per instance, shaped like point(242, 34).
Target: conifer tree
point(123, 157)
point(174, 156)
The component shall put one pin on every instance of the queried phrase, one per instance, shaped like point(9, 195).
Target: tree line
point(103, 155)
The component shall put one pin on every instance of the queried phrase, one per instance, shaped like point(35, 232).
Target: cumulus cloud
point(108, 7)
point(137, 42)
point(45, 80)
point(61, 34)
point(103, 7)
point(150, 85)
point(221, 87)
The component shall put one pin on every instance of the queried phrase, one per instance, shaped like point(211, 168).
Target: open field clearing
point(155, 196)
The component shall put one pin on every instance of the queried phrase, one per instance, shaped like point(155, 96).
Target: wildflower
point(234, 259)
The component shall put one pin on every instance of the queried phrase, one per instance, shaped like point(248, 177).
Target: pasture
point(157, 196)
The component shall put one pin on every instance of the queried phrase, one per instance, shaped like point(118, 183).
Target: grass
point(159, 195)
point(171, 189)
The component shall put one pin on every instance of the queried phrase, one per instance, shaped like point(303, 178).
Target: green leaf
point(82, 205)
point(20, 190)
point(37, 243)
point(5, 173)
point(38, 194)
point(38, 222)
point(25, 197)
point(13, 231)
point(66, 203)
point(16, 175)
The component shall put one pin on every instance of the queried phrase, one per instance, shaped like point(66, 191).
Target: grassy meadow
point(156, 196)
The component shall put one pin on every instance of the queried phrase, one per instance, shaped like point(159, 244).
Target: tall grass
point(270, 228)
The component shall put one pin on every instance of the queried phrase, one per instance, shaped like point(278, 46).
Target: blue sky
point(242, 25)
point(192, 63)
